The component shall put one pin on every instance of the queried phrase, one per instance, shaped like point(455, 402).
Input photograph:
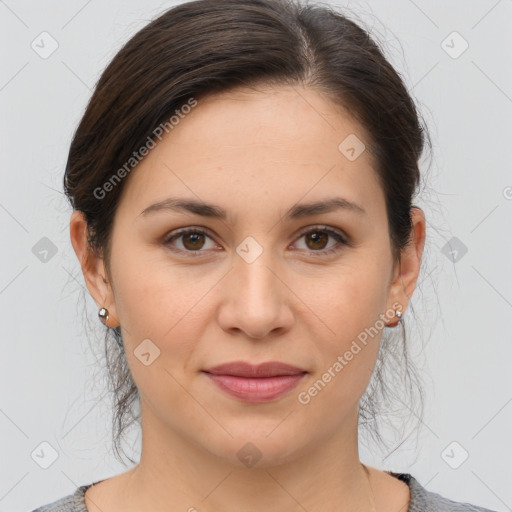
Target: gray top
point(421, 500)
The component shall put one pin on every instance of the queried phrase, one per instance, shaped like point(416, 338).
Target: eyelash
point(315, 229)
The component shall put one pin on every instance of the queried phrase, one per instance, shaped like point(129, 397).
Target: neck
point(173, 472)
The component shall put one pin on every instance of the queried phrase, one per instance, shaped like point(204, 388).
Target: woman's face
point(267, 281)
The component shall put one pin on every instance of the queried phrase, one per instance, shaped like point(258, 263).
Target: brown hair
point(202, 47)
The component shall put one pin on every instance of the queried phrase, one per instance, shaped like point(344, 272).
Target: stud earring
point(399, 315)
point(103, 314)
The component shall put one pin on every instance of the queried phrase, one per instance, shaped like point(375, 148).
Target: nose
point(255, 299)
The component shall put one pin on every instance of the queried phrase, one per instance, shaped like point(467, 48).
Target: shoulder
point(423, 500)
point(74, 502)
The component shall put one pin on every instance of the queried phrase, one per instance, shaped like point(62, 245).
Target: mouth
point(255, 383)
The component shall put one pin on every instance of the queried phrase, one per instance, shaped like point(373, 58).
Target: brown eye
point(316, 240)
point(193, 241)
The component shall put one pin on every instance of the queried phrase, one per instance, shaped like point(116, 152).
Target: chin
point(257, 448)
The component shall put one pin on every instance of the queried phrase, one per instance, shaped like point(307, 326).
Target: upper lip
point(243, 369)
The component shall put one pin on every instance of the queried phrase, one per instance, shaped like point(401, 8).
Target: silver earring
point(399, 314)
point(103, 314)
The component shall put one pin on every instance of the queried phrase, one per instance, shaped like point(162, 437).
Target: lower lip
point(256, 389)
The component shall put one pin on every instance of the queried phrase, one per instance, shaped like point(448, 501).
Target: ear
point(405, 274)
point(93, 267)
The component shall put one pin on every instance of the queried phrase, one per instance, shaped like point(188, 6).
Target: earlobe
point(93, 268)
point(406, 275)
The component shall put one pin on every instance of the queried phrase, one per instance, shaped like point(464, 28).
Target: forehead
point(248, 146)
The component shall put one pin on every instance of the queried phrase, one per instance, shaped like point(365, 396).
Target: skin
point(235, 150)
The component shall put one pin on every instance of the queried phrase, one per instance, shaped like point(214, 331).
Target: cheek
point(146, 284)
point(166, 309)
point(348, 298)
point(159, 301)
point(345, 357)
point(347, 306)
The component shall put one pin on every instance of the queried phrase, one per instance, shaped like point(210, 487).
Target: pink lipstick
point(255, 383)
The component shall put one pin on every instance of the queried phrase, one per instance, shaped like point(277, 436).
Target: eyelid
point(323, 227)
point(185, 231)
point(340, 236)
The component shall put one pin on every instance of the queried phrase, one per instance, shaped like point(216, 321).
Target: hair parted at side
point(203, 47)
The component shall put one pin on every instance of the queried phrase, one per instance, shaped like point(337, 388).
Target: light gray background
point(50, 381)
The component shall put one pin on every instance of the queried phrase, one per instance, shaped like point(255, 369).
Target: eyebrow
point(213, 211)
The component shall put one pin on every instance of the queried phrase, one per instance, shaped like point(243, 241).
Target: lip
point(255, 383)
point(243, 369)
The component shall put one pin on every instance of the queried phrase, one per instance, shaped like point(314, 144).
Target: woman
point(242, 184)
